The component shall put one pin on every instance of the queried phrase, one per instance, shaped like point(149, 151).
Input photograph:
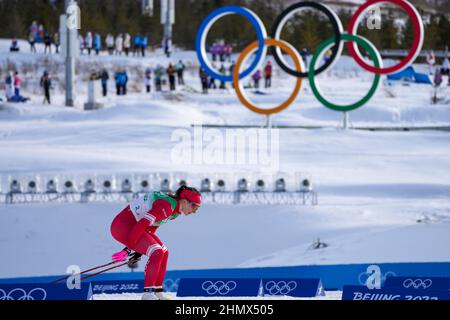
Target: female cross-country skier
point(135, 227)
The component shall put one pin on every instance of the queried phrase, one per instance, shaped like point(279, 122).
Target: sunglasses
point(194, 206)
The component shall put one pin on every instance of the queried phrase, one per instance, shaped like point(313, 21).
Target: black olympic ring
point(286, 14)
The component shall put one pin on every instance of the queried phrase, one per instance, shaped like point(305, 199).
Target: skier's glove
point(121, 255)
point(135, 256)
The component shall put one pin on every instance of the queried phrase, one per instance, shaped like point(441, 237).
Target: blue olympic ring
point(200, 41)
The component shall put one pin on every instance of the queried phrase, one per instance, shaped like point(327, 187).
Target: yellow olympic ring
point(298, 63)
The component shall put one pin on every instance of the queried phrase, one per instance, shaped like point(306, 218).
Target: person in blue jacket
point(121, 82)
point(136, 44)
point(97, 43)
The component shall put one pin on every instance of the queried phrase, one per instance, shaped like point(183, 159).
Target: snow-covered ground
point(383, 196)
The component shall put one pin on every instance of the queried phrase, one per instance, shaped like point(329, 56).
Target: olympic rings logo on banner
point(21, 294)
point(219, 287)
point(171, 285)
point(280, 287)
point(335, 43)
point(417, 283)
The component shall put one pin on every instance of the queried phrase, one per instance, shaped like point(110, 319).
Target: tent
point(410, 75)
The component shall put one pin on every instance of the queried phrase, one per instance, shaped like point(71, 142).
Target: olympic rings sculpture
point(335, 43)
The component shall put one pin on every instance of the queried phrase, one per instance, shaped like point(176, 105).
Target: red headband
point(191, 196)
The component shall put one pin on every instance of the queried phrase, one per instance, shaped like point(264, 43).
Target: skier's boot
point(149, 296)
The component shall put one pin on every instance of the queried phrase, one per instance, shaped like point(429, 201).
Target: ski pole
point(102, 271)
point(83, 272)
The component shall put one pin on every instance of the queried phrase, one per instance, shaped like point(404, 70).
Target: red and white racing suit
point(135, 228)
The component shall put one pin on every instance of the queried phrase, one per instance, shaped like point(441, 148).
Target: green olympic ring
point(369, 47)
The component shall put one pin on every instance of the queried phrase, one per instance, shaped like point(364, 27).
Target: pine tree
point(407, 35)
point(389, 38)
point(443, 32)
point(431, 40)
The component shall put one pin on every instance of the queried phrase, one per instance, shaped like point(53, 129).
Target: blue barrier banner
point(418, 283)
point(364, 293)
point(118, 286)
point(44, 291)
point(220, 287)
point(333, 277)
point(293, 287)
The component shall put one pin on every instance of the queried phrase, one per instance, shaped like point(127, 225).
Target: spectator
point(214, 51)
point(46, 84)
point(41, 33)
point(167, 44)
point(268, 74)
point(204, 80)
point(437, 78)
point(445, 67)
point(119, 45)
point(223, 71)
point(34, 29)
point(127, 44)
point(180, 72)
point(159, 72)
point(110, 43)
point(12, 88)
point(57, 41)
point(256, 77)
point(148, 79)
point(171, 71)
point(47, 43)
point(221, 51)
point(327, 56)
point(17, 84)
point(32, 41)
point(144, 43)
point(305, 56)
point(212, 80)
point(14, 46)
point(228, 52)
point(81, 43)
point(9, 86)
point(431, 61)
point(121, 82)
point(136, 44)
point(104, 79)
point(97, 43)
point(89, 42)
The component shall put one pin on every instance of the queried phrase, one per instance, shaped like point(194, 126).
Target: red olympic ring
point(413, 52)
